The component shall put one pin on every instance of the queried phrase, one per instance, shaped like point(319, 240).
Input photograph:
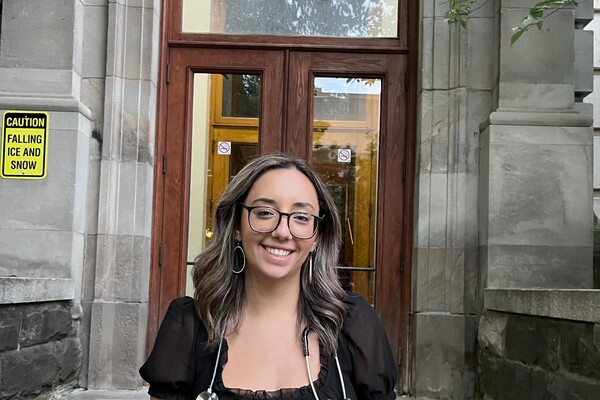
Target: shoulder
point(181, 316)
point(171, 366)
point(355, 301)
point(181, 319)
point(182, 307)
point(365, 349)
point(359, 313)
point(179, 325)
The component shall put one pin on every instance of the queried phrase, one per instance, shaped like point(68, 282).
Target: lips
point(277, 252)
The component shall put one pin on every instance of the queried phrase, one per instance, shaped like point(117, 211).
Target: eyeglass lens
point(267, 219)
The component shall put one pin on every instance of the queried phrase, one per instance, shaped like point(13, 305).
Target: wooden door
point(369, 126)
point(172, 178)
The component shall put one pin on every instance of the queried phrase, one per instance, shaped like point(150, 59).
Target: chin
point(278, 272)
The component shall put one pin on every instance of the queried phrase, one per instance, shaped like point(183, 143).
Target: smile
point(277, 252)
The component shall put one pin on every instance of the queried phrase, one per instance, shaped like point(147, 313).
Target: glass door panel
point(225, 126)
point(342, 18)
point(345, 151)
point(240, 96)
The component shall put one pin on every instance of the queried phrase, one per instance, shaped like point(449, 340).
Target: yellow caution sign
point(24, 145)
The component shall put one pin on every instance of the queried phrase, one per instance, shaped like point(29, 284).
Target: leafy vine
point(459, 10)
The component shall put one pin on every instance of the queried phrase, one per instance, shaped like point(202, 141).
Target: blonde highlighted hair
point(219, 294)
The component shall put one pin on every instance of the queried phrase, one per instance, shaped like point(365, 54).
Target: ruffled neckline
point(281, 394)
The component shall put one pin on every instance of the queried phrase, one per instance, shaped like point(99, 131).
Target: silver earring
point(242, 255)
point(310, 266)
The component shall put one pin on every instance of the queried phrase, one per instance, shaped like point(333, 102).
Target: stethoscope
point(310, 379)
point(208, 394)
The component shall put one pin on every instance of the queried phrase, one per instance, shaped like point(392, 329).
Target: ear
point(237, 236)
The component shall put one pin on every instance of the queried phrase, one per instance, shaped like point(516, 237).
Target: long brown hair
point(219, 294)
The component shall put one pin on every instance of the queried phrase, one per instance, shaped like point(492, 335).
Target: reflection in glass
point(345, 99)
point(241, 96)
point(241, 154)
point(346, 153)
point(336, 18)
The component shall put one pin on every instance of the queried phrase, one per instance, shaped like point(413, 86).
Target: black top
point(179, 366)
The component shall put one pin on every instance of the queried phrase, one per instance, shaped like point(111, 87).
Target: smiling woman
point(278, 249)
point(267, 291)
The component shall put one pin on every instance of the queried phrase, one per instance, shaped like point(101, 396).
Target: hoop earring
point(242, 255)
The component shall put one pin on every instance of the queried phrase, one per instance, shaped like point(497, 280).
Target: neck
point(267, 297)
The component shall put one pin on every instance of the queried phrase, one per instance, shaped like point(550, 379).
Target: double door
point(344, 113)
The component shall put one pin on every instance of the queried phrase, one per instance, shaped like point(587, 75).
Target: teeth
point(278, 252)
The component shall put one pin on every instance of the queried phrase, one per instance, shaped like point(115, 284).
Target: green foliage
point(537, 14)
point(459, 10)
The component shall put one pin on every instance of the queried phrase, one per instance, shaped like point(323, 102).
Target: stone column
point(119, 307)
point(459, 74)
point(536, 162)
point(594, 98)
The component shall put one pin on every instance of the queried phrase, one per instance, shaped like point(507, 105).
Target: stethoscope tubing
point(310, 379)
point(209, 395)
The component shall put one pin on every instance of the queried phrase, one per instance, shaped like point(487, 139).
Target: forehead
point(284, 187)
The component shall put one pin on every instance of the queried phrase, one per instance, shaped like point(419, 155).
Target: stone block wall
point(594, 98)
point(39, 350)
point(82, 235)
point(459, 73)
point(526, 357)
point(535, 196)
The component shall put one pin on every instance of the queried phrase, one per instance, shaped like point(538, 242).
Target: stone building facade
point(504, 304)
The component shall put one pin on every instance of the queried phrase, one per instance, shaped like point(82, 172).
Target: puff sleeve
point(372, 367)
point(171, 366)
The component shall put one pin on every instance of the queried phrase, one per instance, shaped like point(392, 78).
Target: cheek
point(243, 226)
point(245, 233)
point(248, 236)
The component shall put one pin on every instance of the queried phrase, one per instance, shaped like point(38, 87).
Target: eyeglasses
point(265, 219)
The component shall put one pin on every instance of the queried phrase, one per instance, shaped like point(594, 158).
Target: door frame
point(174, 45)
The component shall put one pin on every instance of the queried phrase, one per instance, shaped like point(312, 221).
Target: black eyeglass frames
point(265, 219)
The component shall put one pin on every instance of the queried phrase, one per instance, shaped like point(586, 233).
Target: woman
point(269, 319)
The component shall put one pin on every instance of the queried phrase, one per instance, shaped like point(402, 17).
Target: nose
point(283, 230)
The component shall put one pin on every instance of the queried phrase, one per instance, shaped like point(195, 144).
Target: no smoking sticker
point(344, 155)
point(224, 148)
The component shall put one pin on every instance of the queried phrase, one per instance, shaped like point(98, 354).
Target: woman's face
point(278, 254)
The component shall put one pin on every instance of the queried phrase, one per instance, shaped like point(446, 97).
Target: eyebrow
point(273, 203)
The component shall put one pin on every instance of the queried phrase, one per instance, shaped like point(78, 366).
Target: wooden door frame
point(173, 41)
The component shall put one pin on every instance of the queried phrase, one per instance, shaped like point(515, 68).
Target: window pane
point(345, 151)
point(218, 152)
point(336, 18)
point(241, 96)
point(345, 99)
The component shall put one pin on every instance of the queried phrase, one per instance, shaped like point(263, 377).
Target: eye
point(265, 212)
point(301, 218)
